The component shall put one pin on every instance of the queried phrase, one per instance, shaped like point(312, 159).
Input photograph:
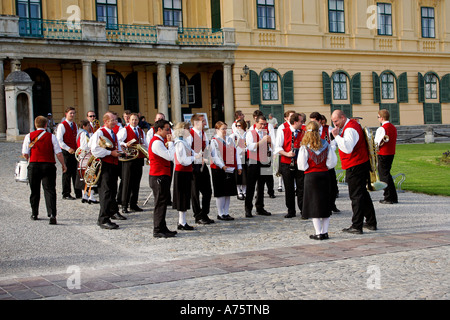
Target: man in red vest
point(132, 170)
point(350, 139)
point(161, 175)
point(40, 148)
point(386, 139)
point(287, 145)
point(67, 139)
point(107, 183)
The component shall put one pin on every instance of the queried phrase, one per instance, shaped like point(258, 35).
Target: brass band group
point(108, 161)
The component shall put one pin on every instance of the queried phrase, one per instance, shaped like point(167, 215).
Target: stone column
point(163, 104)
point(2, 101)
point(102, 88)
point(175, 92)
point(88, 89)
point(228, 95)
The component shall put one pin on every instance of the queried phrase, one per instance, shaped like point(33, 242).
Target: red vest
point(260, 155)
point(325, 133)
point(116, 129)
point(197, 143)
point(110, 159)
point(132, 135)
point(158, 165)
point(388, 148)
point(70, 136)
point(360, 153)
point(42, 151)
point(179, 166)
point(317, 163)
point(287, 143)
point(227, 153)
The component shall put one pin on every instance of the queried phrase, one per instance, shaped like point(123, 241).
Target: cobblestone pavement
point(263, 258)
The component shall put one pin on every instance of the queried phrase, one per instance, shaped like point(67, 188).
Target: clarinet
point(292, 166)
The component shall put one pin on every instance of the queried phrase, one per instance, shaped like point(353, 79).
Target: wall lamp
point(245, 69)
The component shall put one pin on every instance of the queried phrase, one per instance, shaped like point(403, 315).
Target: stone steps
point(416, 134)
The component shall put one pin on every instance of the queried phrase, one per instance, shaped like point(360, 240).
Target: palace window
point(431, 87)
point(428, 26)
point(113, 83)
point(336, 16)
point(384, 19)
point(172, 13)
point(29, 12)
point(270, 85)
point(387, 86)
point(266, 14)
point(107, 12)
point(340, 91)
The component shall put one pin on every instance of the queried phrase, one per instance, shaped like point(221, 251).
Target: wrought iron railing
point(200, 37)
point(49, 29)
point(129, 33)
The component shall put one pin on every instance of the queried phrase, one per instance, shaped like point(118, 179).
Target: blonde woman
point(182, 179)
point(225, 164)
point(316, 157)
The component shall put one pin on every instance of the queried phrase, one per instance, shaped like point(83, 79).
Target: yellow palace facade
point(180, 57)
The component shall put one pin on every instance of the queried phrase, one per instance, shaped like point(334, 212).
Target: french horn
point(132, 152)
point(94, 165)
point(375, 183)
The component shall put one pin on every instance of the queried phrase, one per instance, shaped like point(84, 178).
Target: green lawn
point(424, 172)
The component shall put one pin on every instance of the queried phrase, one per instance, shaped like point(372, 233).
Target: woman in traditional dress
point(238, 136)
point(316, 157)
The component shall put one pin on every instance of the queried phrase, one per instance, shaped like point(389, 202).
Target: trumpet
point(384, 140)
point(132, 152)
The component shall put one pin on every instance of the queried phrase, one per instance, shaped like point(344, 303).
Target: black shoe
point(209, 220)
point(34, 217)
point(136, 208)
point(185, 227)
point(289, 215)
point(225, 218)
point(241, 196)
point(280, 189)
point(108, 225)
point(85, 201)
point(263, 213)
point(52, 220)
point(118, 216)
point(304, 218)
point(272, 196)
point(78, 196)
point(352, 230)
point(164, 235)
point(248, 215)
point(93, 201)
point(202, 221)
point(69, 197)
point(335, 210)
point(367, 226)
point(316, 237)
point(386, 202)
point(325, 236)
point(125, 210)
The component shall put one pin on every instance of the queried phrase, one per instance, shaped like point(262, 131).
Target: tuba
point(375, 183)
point(94, 165)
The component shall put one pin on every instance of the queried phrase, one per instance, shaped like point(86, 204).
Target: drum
point(21, 174)
point(83, 164)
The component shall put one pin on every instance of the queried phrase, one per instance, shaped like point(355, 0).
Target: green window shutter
point(255, 90)
point(376, 88)
point(445, 89)
point(288, 88)
point(346, 108)
point(356, 89)
point(326, 80)
point(394, 112)
point(421, 81)
point(432, 113)
point(403, 88)
point(216, 23)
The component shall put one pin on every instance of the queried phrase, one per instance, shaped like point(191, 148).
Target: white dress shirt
point(123, 134)
point(98, 151)
point(84, 139)
point(26, 143)
point(160, 149)
point(380, 133)
point(279, 142)
point(185, 155)
point(348, 141)
point(216, 153)
point(60, 135)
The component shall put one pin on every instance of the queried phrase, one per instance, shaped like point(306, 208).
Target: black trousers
point(333, 188)
point(291, 178)
point(70, 176)
point(131, 181)
point(362, 206)
point(255, 180)
point(384, 171)
point(45, 173)
point(201, 183)
point(160, 186)
point(107, 190)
